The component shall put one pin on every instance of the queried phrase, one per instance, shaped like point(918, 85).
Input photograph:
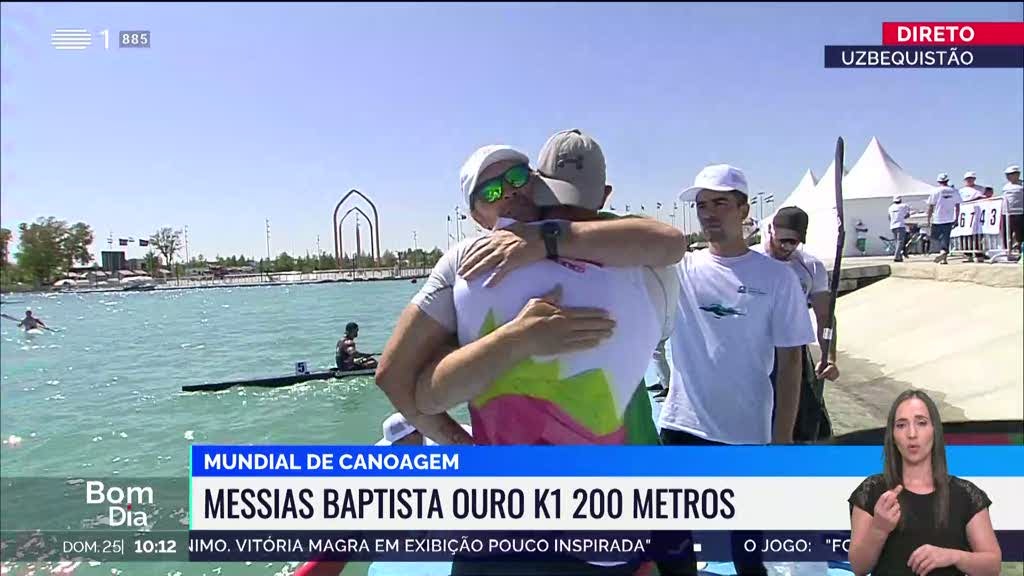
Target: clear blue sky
point(242, 112)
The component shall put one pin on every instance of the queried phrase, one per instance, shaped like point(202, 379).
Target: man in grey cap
point(943, 208)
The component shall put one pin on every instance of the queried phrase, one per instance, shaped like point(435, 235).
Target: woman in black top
point(915, 518)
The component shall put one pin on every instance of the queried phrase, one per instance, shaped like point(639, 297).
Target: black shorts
point(1017, 227)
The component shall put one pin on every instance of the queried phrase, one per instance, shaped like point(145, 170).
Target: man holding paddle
point(29, 322)
point(347, 357)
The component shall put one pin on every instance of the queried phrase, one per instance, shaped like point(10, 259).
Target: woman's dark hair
point(894, 461)
point(351, 327)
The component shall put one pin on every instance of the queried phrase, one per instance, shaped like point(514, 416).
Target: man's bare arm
point(415, 340)
point(787, 386)
point(624, 242)
point(620, 242)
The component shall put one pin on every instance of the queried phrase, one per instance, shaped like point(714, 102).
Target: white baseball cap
point(480, 160)
point(969, 174)
point(1011, 169)
point(897, 198)
point(717, 177)
point(942, 177)
point(395, 427)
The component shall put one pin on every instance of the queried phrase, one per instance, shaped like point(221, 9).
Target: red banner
point(953, 33)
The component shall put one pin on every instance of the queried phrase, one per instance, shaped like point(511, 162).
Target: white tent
point(868, 189)
point(819, 201)
point(805, 187)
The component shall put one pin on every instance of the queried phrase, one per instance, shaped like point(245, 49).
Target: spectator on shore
point(898, 214)
point(943, 205)
point(1013, 192)
point(862, 236)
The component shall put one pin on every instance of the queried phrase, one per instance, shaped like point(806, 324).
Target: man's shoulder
point(810, 259)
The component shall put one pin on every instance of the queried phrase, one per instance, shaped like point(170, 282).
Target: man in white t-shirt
point(862, 236)
point(898, 214)
point(943, 209)
point(1013, 192)
point(786, 232)
point(492, 188)
point(739, 312)
point(971, 190)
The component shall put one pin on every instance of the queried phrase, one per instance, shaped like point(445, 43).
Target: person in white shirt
point(862, 236)
point(943, 208)
point(786, 232)
point(1013, 192)
point(971, 190)
point(969, 193)
point(898, 214)
point(739, 313)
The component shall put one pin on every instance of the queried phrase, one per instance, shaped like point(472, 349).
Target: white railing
point(982, 226)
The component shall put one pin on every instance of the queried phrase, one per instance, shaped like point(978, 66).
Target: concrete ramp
point(961, 342)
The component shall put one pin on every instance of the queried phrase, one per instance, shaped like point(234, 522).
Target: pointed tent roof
point(820, 204)
point(806, 184)
point(808, 181)
point(877, 175)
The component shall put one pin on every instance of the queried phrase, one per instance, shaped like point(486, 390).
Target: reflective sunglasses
point(493, 190)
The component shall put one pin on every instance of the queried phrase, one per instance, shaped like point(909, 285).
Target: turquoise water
point(102, 396)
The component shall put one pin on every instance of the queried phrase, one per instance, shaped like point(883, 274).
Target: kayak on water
point(279, 381)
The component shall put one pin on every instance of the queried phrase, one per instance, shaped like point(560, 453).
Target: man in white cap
point(1013, 192)
point(943, 208)
point(399, 432)
point(898, 214)
point(970, 192)
point(739, 314)
point(493, 188)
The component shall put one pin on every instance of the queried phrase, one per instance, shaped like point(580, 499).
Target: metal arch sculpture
point(341, 223)
point(376, 226)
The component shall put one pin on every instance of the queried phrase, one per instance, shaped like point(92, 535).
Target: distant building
point(113, 261)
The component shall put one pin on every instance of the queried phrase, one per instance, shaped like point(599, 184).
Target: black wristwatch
point(551, 231)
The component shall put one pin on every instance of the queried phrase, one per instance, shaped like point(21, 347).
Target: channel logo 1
point(120, 501)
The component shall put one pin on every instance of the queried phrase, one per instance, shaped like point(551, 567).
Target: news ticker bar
point(924, 56)
point(607, 461)
point(438, 546)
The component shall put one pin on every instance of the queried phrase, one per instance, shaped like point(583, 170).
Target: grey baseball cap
point(572, 172)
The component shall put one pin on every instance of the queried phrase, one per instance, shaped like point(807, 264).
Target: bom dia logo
point(120, 502)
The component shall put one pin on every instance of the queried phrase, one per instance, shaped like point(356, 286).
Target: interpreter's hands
point(546, 328)
point(503, 250)
point(928, 558)
point(826, 370)
point(887, 511)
